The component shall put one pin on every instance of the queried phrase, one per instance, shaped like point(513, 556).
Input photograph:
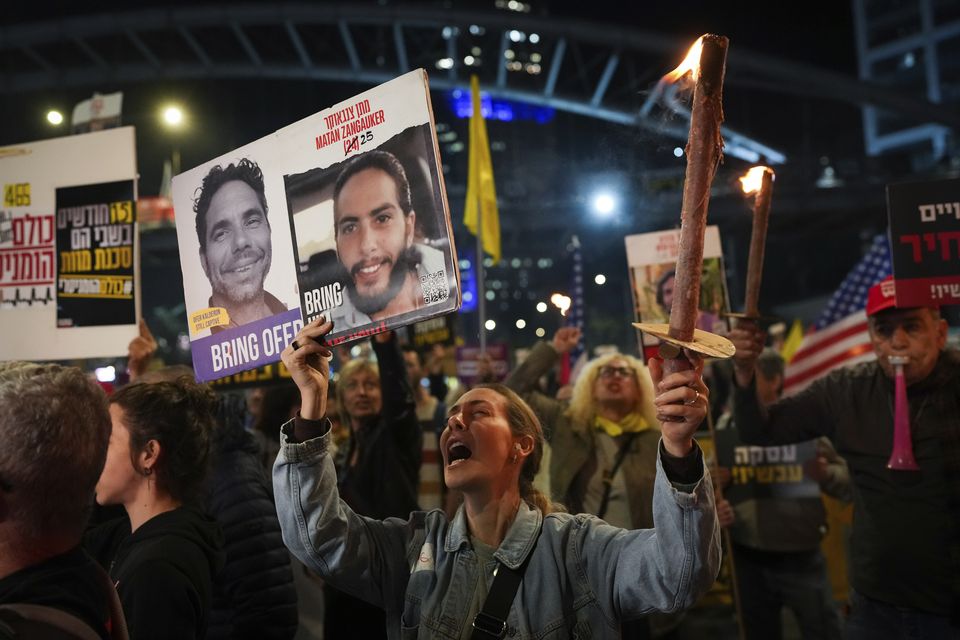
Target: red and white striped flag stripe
point(841, 338)
point(843, 343)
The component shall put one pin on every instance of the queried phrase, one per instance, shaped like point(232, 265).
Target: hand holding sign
point(307, 359)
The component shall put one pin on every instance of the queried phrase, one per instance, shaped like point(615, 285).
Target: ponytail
point(536, 498)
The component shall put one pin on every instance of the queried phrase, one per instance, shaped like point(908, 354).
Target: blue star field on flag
point(852, 294)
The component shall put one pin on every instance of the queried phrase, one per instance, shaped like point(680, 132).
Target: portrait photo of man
point(384, 269)
point(712, 301)
point(234, 234)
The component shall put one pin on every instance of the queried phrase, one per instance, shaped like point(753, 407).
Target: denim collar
point(516, 546)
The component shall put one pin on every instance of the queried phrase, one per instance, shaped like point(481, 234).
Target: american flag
point(570, 361)
point(840, 337)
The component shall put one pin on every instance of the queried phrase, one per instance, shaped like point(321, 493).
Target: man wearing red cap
point(905, 547)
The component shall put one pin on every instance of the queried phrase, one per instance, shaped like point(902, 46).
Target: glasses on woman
point(608, 371)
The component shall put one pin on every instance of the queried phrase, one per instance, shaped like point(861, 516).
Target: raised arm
point(541, 359)
point(140, 352)
point(399, 406)
point(433, 364)
point(358, 555)
point(804, 416)
point(399, 419)
point(394, 383)
point(668, 567)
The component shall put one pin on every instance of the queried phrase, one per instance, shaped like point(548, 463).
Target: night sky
point(571, 152)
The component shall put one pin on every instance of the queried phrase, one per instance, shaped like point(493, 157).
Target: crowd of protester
point(406, 503)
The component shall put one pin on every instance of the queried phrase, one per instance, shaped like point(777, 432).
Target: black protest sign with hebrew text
point(95, 260)
point(439, 330)
point(765, 472)
point(925, 242)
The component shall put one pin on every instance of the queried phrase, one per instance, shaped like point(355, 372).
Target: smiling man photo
point(385, 272)
point(234, 234)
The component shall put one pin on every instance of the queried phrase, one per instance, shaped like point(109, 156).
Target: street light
point(174, 119)
point(54, 117)
point(173, 116)
point(603, 204)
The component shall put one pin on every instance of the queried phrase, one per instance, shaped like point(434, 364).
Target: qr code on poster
point(434, 287)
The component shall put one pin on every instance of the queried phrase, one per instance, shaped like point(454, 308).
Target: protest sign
point(342, 214)
point(68, 247)
point(651, 261)
point(925, 242)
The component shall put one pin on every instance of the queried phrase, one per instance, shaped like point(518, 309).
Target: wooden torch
point(757, 181)
point(705, 64)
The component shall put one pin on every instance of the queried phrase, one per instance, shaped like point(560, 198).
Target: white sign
point(30, 175)
point(652, 258)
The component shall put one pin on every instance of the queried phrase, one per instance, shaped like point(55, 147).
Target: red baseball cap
point(881, 296)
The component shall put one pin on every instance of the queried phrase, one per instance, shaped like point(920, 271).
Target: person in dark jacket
point(277, 405)
point(376, 402)
point(54, 428)
point(163, 556)
point(905, 545)
point(254, 595)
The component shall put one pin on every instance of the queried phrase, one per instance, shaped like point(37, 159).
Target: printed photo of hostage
point(374, 224)
point(235, 243)
point(372, 238)
point(236, 256)
point(712, 296)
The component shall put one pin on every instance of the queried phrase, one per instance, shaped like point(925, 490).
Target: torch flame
point(561, 302)
point(754, 179)
point(690, 64)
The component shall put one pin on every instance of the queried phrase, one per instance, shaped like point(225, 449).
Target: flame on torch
point(561, 302)
point(753, 179)
point(690, 64)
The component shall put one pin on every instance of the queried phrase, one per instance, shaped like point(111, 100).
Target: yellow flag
point(481, 203)
point(792, 342)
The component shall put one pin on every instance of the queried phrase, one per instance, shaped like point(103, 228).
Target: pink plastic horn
point(901, 458)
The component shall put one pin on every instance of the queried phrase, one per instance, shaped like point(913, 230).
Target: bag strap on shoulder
point(491, 622)
point(608, 475)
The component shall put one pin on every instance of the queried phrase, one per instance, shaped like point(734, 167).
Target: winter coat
point(254, 594)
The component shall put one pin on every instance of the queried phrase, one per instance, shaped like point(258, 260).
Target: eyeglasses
point(622, 372)
point(367, 385)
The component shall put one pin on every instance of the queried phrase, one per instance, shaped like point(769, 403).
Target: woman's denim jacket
point(585, 575)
